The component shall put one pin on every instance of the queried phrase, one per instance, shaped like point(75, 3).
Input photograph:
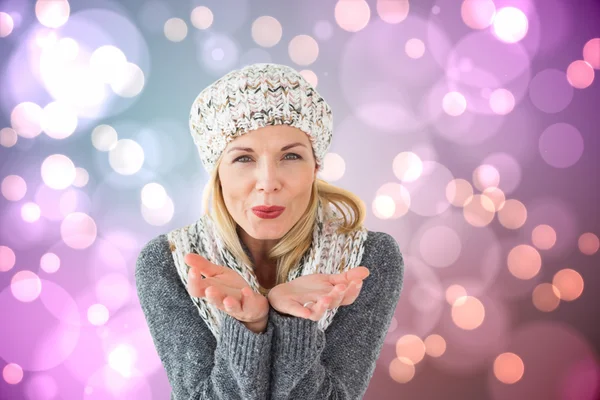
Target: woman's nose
point(267, 177)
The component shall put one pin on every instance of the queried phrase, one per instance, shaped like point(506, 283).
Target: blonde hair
point(292, 246)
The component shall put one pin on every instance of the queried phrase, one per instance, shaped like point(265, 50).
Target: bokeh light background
point(470, 128)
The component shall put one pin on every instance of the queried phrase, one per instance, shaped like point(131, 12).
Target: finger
point(215, 296)
point(197, 287)
point(201, 264)
point(351, 293)
point(232, 305)
point(320, 308)
point(337, 295)
point(357, 273)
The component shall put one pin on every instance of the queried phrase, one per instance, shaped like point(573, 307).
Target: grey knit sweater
point(292, 358)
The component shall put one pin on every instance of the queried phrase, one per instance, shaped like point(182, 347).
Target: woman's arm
point(197, 365)
point(338, 364)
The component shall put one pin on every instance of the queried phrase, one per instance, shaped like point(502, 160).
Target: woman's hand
point(328, 291)
point(226, 289)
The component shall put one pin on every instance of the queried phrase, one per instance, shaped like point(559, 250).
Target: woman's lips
point(267, 215)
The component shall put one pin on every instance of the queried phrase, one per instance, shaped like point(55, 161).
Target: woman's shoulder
point(382, 252)
point(154, 254)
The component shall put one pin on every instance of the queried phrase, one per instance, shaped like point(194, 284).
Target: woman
point(261, 298)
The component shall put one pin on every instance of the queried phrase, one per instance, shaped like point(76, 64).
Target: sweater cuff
point(247, 351)
point(295, 338)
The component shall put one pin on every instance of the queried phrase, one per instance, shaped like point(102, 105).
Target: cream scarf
point(329, 253)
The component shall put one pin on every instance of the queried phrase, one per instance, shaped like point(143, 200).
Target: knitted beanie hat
point(253, 97)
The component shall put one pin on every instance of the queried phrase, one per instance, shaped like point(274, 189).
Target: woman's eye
point(240, 158)
point(295, 155)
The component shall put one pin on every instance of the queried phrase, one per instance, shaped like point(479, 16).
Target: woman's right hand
point(225, 289)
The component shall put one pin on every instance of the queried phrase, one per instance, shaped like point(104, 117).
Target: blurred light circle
point(97, 314)
point(580, 74)
point(303, 49)
point(107, 62)
point(524, 262)
point(546, 297)
point(202, 17)
point(334, 167)
point(435, 345)
point(384, 206)
point(8, 137)
point(591, 52)
point(352, 15)
point(219, 53)
point(401, 369)
point(513, 214)
point(30, 212)
point(407, 166)
point(310, 77)
point(78, 230)
point(175, 29)
point(266, 31)
point(13, 187)
point(81, 177)
point(6, 24)
point(454, 104)
point(154, 195)
point(440, 246)
point(113, 290)
point(50, 263)
point(58, 171)
point(393, 11)
point(508, 368)
point(468, 312)
point(25, 119)
point(411, 347)
point(323, 30)
point(428, 193)
point(588, 243)
point(159, 216)
point(478, 14)
point(7, 258)
point(12, 373)
point(58, 120)
point(550, 91)
point(52, 14)
point(479, 211)
point(508, 168)
point(104, 137)
point(510, 24)
point(126, 157)
point(399, 196)
point(543, 237)
point(569, 284)
point(459, 192)
point(415, 48)
point(129, 81)
point(25, 286)
point(486, 176)
point(502, 101)
point(41, 387)
point(67, 48)
point(561, 145)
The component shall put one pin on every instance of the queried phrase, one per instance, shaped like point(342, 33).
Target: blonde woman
point(277, 291)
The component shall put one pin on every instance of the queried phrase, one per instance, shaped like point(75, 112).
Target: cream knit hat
point(254, 97)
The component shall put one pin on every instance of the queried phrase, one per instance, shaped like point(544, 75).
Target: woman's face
point(272, 166)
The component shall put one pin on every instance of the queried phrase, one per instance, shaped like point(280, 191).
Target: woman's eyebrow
point(249, 150)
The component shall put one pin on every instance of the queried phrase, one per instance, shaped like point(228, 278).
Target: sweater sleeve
point(308, 363)
point(236, 366)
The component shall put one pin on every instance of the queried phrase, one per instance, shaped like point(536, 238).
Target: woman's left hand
point(328, 291)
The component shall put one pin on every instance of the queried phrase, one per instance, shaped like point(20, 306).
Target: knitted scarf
point(330, 252)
